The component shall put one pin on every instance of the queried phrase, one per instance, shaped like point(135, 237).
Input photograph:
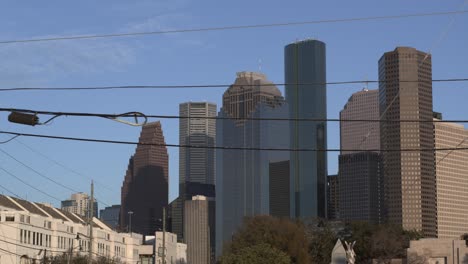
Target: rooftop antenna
point(366, 89)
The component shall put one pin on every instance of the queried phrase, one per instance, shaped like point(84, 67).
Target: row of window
point(35, 238)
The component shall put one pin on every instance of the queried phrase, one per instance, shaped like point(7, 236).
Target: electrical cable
point(133, 87)
point(31, 186)
point(220, 147)
point(6, 189)
point(271, 25)
point(44, 176)
point(78, 114)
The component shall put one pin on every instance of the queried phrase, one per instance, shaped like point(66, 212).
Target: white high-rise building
point(79, 204)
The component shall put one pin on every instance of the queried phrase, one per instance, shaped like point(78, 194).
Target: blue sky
point(353, 50)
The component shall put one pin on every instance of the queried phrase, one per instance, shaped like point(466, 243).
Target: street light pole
point(130, 213)
point(164, 236)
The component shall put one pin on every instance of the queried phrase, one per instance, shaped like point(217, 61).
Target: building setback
point(145, 187)
point(305, 76)
point(199, 221)
point(360, 187)
point(405, 92)
point(196, 165)
point(452, 180)
point(79, 204)
point(333, 197)
point(242, 176)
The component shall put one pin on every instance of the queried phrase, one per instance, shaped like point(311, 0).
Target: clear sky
point(353, 50)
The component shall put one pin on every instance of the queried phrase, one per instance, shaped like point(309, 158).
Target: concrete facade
point(199, 226)
point(438, 251)
point(452, 180)
point(29, 230)
point(405, 93)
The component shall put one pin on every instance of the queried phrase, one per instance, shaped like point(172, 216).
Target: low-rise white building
point(29, 231)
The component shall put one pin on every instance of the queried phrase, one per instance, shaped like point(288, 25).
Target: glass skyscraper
point(242, 175)
point(305, 76)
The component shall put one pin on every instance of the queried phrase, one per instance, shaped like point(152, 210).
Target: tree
point(322, 240)
point(258, 254)
point(282, 234)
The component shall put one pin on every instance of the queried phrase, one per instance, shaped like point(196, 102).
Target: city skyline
point(352, 56)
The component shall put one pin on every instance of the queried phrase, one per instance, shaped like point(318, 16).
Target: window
point(9, 218)
point(21, 235)
point(22, 218)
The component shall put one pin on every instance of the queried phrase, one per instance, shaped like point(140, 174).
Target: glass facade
point(305, 76)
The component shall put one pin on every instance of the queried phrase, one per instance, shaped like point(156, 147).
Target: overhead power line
point(46, 177)
point(189, 86)
point(237, 27)
point(221, 147)
point(104, 115)
point(30, 185)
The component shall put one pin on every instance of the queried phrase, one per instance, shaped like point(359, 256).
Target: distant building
point(306, 95)
point(452, 180)
point(79, 204)
point(280, 189)
point(436, 250)
point(365, 135)
point(170, 246)
point(199, 224)
point(360, 187)
point(242, 176)
point(176, 253)
point(181, 253)
point(145, 187)
point(110, 215)
point(410, 183)
point(333, 197)
point(32, 230)
point(196, 165)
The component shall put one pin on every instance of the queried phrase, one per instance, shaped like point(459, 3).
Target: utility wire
point(6, 189)
point(31, 186)
point(78, 114)
point(133, 87)
point(222, 147)
point(272, 25)
point(62, 165)
point(44, 176)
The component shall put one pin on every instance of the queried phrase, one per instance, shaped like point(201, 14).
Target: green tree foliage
point(257, 254)
point(322, 240)
point(282, 234)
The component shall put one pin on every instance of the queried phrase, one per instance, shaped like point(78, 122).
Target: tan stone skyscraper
point(360, 136)
point(452, 180)
point(405, 92)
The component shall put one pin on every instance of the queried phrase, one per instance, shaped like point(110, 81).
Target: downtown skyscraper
point(243, 175)
point(145, 187)
point(306, 95)
point(196, 165)
point(405, 93)
point(360, 183)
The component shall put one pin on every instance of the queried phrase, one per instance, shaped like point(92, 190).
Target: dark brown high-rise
point(405, 92)
point(145, 187)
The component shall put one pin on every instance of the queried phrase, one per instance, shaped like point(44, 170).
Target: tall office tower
point(360, 136)
point(405, 92)
point(79, 204)
point(452, 180)
point(145, 187)
point(332, 197)
point(199, 221)
point(110, 215)
point(280, 189)
point(359, 178)
point(360, 187)
point(305, 76)
point(242, 175)
point(196, 165)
